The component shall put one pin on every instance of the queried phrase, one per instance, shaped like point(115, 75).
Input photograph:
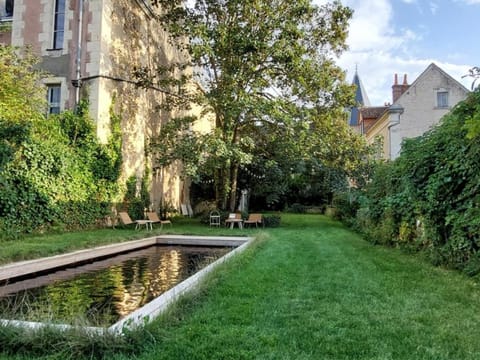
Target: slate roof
point(361, 99)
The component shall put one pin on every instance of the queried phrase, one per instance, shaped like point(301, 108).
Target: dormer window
point(442, 98)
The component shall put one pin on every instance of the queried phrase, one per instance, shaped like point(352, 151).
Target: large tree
point(259, 64)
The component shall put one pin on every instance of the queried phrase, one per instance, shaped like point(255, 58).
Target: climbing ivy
point(429, 198)
point(55, 174)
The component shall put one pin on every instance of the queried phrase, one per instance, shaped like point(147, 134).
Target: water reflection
point(103, 292)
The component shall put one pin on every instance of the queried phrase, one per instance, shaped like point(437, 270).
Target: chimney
point(397, 89)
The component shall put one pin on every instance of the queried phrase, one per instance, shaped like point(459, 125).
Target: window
point(53, 98)
point(442, 99)
point(8, 8)
point(59, 24)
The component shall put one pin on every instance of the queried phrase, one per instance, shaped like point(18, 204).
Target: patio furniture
point(254, 219)
point(234, 218)
point(214, 218)
point(153, 217)
point(127, 220)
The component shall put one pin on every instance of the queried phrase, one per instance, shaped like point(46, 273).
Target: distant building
point(361, 100)
point(415, 109)
point(91, 48)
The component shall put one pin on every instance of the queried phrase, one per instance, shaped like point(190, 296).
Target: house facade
point(91, 49)
point(415, 109)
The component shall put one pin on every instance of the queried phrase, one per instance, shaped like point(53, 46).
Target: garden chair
point(254, 219)
point(153, 217)
point(126, 220)
point(215, 218)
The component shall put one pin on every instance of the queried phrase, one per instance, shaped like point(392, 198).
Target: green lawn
point(35, 246)
point(312, 289)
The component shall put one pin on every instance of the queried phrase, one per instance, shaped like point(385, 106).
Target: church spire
point(361, 99)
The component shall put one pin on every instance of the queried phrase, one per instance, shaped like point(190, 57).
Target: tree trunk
point(233, 187)
point(222, 186)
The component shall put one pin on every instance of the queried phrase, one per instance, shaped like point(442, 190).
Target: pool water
point(102, 292)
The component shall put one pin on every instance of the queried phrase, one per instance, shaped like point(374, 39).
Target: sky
point(405, 36)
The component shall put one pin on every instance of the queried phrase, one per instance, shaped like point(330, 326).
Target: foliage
point(272, 220)
point(474, 73)
point(280, 299)
point(69, 344)
point(265, 69)
point(21, 98)
point(428, 198)
point(51, 178)
point(346, 205)
point(166, 209)
point(297, 208)
point(136, 200)
point(295, 167)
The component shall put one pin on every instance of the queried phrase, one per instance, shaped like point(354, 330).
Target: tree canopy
point(21, 97)
point(263, 68)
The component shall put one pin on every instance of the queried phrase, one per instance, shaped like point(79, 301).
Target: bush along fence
point(428, 199)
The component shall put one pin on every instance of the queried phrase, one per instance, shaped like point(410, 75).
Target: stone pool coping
point(148, 311)
point(29, 267)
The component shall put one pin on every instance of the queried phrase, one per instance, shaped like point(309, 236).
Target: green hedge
point(429, 198)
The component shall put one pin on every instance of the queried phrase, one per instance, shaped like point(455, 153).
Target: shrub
point(435, 179)
point(51, 179)
point(272, 220)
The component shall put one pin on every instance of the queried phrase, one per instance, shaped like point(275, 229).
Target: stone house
point(91, 48)
point(414, 110)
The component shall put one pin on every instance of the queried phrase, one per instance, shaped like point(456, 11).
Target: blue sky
point(405, 36)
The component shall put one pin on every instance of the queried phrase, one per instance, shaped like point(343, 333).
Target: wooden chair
point(126, 220)
point(153, 217)
point(254, 219)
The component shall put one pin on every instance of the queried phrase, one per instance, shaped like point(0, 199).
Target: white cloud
point(433, 7)
point(379, 50)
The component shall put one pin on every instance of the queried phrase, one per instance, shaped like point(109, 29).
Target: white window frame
point(64, 94)
point(442, 98)
point(57, 87)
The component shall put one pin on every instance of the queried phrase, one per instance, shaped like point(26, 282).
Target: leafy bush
point(297, 208)
point(345, 206)
point(272, 220)
point(50, 179)
point(428, 198)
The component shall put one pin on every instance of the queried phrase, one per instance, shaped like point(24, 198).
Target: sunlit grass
point(312, 289)
point(36, 246)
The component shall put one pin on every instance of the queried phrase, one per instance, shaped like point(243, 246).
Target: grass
point(36, 246)
point(312, 289)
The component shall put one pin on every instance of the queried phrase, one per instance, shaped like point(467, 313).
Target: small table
point(232, 223)
point(147, 223)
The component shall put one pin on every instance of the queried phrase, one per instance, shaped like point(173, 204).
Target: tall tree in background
point(258, 63)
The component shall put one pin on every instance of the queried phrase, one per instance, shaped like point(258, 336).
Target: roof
point(372, 112)
point(361, 99)
point(431, 67)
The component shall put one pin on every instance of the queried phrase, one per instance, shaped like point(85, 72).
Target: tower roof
point(361, 99)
